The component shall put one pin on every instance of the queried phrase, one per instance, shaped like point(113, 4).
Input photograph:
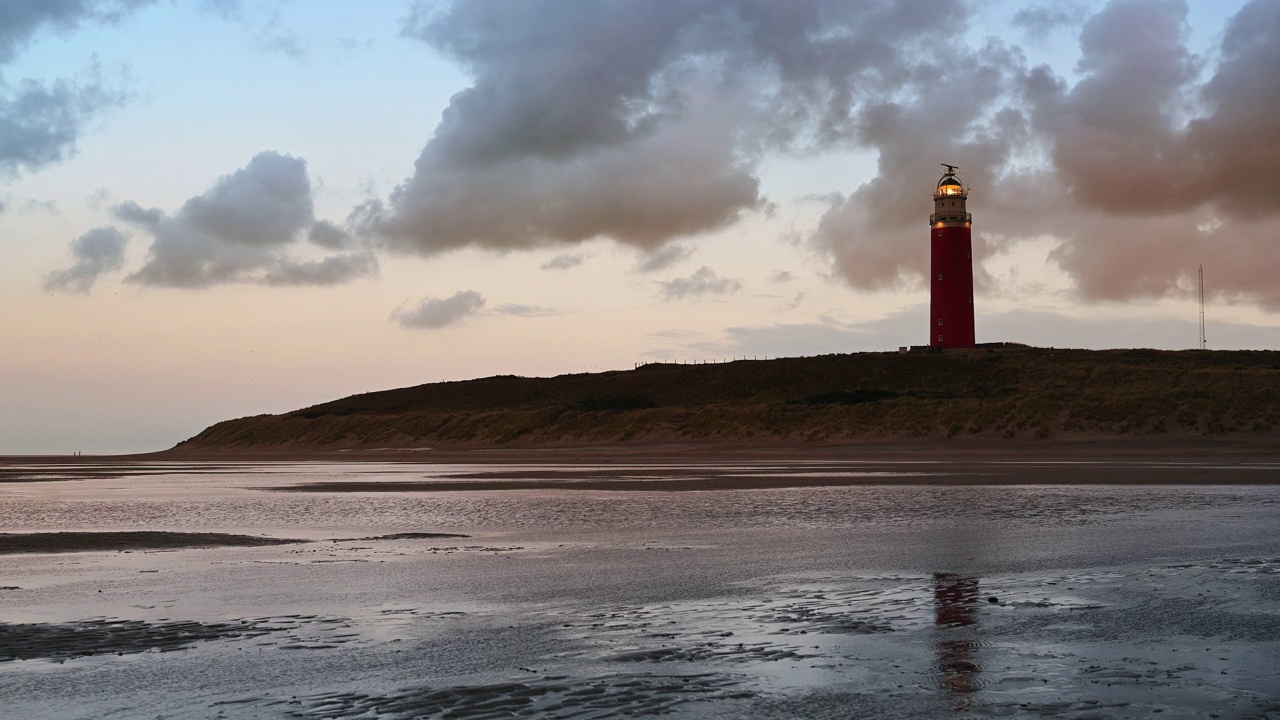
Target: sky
point(218, 209)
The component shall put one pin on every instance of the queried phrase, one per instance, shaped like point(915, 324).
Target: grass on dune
point(994, 392)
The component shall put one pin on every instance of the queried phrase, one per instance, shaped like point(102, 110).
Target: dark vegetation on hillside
point(993, 392)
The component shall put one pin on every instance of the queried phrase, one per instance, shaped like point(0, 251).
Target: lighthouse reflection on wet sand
point(951, 265)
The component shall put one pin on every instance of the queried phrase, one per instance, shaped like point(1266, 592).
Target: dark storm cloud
point(435, 313)
point(704, 281)
point(241, 230)
point(40, 122)
point(99, 251)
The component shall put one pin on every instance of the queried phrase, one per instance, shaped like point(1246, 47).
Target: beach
point(760, 583)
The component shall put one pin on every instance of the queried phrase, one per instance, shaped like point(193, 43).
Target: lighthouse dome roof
point(950, 185)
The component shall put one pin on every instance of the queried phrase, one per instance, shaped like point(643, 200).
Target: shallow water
point(862, 601)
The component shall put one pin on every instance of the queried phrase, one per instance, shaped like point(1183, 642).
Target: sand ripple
point(553, 698)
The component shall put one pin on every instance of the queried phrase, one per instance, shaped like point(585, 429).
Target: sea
point(878, 600)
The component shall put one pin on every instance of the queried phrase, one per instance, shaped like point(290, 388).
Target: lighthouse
point(951, 265)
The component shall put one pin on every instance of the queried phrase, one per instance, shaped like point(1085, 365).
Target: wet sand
point(673, 468)
point(939, 592)
point(1261, 446)
point(683, 479)
point(68, 542)
point(62, 542)
point(97, 636)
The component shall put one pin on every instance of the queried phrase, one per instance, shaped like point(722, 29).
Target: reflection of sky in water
point(228, 498)
point(834, 602)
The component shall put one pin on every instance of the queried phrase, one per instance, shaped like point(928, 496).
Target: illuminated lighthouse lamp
point(951, 265)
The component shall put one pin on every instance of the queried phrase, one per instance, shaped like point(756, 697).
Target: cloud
point(1112, 134)
point(262, 23)
point(796, 301)
point(241, 231)
point(782, 276)
point(519, 310)
point(876, 236)
point(1040, 20)
point(1161, 173)
point(564, 261)
point(41, 122)
point(704, 281)
point(664, 257)
point(98, 251)
point(1156, 160)
point(22, 19)
point(910, 327)
point(636, 121)
point(329, 236)
point(794, 339)
point(435, 313)
point(1047, 329)
point(283, 42)
point(29, 205)
point(551, 146)
point(332, 270)
point(230, 10)
point(682, 180)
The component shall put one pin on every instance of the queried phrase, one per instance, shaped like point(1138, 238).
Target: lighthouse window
point(939, 276)
point(939, 321)
point(939, 338)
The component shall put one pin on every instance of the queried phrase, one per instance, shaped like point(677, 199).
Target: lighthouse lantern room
point(951, 265)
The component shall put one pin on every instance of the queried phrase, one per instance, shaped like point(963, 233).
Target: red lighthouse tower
point(951, 265)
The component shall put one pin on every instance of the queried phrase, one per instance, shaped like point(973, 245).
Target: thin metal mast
point(1202, 341)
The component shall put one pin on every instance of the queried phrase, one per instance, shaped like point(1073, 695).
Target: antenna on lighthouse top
point(951, 169)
